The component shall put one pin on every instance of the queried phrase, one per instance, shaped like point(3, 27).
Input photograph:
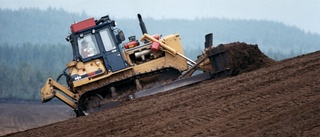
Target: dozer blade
point(219, 62)
point(217, 58)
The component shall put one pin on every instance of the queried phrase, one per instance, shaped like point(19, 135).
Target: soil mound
point(244, 57)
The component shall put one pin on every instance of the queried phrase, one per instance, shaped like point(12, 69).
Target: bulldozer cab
point(98, 39)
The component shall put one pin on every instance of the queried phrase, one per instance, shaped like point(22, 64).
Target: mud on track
point(278, 100)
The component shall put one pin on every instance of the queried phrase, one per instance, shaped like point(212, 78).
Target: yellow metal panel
point(173, 41)
point(66, 100)
point(47, 91)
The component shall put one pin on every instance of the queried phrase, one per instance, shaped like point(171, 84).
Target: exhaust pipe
point(142, 26)
point(209, 40)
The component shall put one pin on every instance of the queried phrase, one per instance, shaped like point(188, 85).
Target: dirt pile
point(281, 99)
point(244, 57)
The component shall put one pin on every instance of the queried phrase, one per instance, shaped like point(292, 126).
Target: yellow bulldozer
point(105, 70)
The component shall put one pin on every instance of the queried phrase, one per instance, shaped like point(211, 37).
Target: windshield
point(106, 39)
point(88, 46)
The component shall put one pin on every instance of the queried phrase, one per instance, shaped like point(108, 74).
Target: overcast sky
point(304, 14)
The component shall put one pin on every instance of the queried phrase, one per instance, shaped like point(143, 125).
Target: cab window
point(88, 46)
point(107, 39)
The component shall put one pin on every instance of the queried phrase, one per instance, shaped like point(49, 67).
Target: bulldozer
point(107, 70)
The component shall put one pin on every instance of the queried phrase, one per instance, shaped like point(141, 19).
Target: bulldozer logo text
point(77, 78)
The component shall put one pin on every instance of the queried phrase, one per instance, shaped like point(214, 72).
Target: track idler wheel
point(89, 104)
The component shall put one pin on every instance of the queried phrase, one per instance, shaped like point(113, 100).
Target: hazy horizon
point(302, 14)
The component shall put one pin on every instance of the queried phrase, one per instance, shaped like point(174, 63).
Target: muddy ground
point(281, 99)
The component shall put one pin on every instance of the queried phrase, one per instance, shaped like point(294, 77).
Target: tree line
point(51, 26)
point(24, 69)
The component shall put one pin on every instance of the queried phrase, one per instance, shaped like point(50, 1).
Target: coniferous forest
point(33, 46)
